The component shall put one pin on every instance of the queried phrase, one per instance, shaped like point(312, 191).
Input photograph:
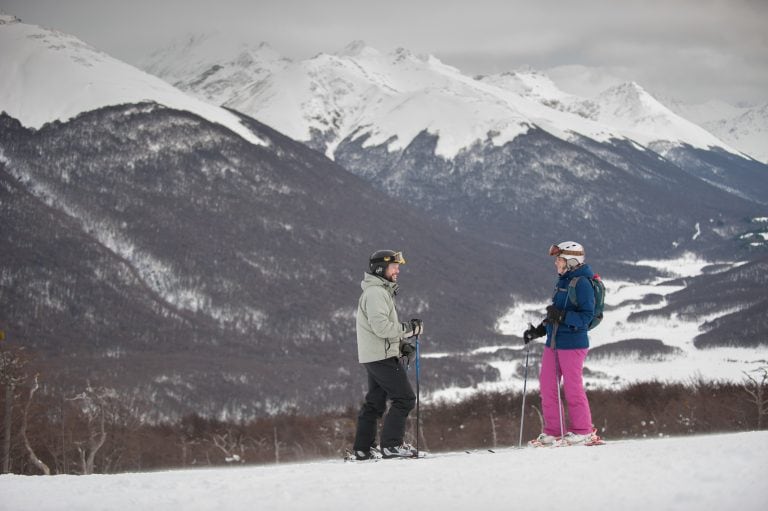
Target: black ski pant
point(387, 379)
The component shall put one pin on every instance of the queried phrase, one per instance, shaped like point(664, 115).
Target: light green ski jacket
point(378, 330)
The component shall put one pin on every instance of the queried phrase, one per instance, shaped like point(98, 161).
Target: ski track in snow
point(698, 473)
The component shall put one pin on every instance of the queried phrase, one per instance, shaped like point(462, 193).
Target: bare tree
point(232, 445)
point(36, 461)
point(278, 444)
point(494, 438)
point(260, 447)
point(756, 388)
point(185, 444)
point(93, 404)
point(12, 374)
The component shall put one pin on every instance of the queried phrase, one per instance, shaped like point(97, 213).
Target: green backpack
point(599, 289)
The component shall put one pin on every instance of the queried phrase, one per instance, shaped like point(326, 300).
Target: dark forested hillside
point(153, 251)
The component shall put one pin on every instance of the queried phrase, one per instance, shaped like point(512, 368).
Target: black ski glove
point(534, 332)
point(417, 326)
point(555, 315)
point(407, 350)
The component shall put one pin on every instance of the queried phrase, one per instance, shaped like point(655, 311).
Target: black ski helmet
point(380, 259)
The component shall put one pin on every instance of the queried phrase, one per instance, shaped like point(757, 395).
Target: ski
point(593, 440)
point(349, 456)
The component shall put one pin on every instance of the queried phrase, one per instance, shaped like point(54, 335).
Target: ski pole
point(557, 380)
point(525, 385)
point(418, 417)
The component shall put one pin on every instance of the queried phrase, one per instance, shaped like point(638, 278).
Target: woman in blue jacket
point(566, 349)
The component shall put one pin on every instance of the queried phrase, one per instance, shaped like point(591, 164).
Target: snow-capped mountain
point(625, 108)
point(742, 127)
point(389, 98)
point(539, 88)
point(412, 125)
point(745, 128)
point(747, 131)
point(47, 76)
point(203, 70)
point(702, 113)
point(393, 97)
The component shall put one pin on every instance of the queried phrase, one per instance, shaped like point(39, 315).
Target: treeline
point(97, 432)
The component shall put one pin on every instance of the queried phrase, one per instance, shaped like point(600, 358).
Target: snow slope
point(626, 108)
point(745, 128)
point(747, 131)
point(46, 75)
point(219, 79)
point(700, 473)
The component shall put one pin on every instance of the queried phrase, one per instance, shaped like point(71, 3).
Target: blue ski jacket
point(572, 332)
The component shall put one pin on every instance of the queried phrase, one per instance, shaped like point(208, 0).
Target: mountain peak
point(212, 47)
point(629, 91)
point(645, 119)
point(84, 79)
point(401, 54)
point(632, 98)
point(358, 48)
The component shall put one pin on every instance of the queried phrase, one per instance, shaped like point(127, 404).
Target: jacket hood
point(584, 270)
point(371, 280)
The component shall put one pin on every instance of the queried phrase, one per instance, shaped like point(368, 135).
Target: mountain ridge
point(400, 74)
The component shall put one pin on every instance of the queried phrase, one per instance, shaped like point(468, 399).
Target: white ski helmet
point(572, 252)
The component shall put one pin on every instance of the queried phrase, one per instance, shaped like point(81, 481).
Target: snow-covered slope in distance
point(393, 97)
point(743, 127)
point(46, 75)
point(626, 108)
point(389, 97)
point(683, 362)
point(220, 80)
point(703, 113)
point(712, 472)
point(747, 130)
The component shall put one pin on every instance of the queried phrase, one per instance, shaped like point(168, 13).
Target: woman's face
point(560, 264)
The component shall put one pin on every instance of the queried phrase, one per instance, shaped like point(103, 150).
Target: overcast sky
point(692, 50)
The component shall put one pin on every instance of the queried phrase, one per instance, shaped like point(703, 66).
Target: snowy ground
point(716, 472)
point(692, 364)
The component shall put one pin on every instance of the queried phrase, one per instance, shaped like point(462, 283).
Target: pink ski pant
point(571, 365)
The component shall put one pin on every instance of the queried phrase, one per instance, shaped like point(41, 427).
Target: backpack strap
point(572, 291)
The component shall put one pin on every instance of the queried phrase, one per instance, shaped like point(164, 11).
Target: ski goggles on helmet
point(554, 250)
point(397, 257)
point(386, 257)
point(381, 259)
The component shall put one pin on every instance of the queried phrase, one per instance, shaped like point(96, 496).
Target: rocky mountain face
point(151, 250)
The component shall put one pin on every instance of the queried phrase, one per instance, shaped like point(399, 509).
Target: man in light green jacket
point(381, 341)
